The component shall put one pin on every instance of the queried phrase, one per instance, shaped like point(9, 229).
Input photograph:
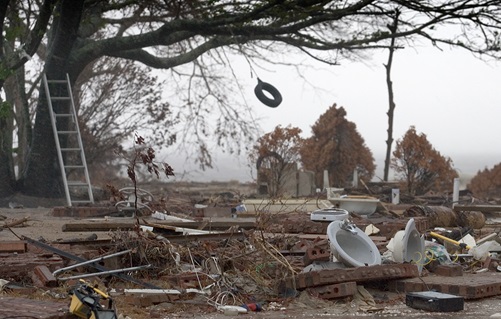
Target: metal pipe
point(104, 273)
point(90, 261)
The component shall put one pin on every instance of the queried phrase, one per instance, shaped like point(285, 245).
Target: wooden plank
point(107, 226)
point(104, 226)
point(18, 246)
point(478, 208)
point(212, 225)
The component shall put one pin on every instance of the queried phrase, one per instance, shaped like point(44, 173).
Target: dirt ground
point(41, 224)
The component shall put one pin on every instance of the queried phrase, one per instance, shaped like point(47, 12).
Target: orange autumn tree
point(276, 155)
point(420, 166)
point(337, 146)
point(487, 183)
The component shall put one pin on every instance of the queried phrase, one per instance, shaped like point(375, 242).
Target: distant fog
point(229, 168)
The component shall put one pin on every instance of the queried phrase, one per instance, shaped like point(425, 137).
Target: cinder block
point(449, 270)
point(344, 289)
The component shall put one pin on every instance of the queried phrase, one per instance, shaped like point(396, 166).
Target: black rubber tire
point(263, 86)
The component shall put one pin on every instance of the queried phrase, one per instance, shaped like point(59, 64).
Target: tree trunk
point(7, 178)
point(391, 100)
point(24, 133)
point(43, 175)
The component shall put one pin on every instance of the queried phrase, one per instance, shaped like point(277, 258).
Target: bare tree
point(192, 38)
point(391, 98)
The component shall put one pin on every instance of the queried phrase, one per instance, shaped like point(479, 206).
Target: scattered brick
point(315, 254)
point(358, 274)
point(448, 270)
point(469, 286)
point(17, 266)
point(43, 273)
point(333, 291)
point(18, 246)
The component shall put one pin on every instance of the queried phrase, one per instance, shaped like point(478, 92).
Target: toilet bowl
point(351, 246)
point(408, 245)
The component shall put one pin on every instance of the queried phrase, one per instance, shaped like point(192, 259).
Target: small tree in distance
point(276, 154)
point(421, 166)
point(487, 183)
point(337, 146)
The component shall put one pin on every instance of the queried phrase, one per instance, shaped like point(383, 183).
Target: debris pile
point(269, 261)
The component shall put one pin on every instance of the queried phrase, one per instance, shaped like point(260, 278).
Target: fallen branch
point(16, 222)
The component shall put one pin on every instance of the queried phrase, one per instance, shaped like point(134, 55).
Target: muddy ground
point(41, 224)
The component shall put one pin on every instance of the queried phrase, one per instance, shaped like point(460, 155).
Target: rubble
point(237, 265)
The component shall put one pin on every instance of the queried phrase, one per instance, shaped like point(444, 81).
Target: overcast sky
point(451, 96)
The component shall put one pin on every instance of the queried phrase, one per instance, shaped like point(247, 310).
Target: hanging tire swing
point(259, 91)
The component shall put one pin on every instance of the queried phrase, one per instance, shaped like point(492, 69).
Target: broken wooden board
point(18, 246)
point(109, 226)
point(97, 226)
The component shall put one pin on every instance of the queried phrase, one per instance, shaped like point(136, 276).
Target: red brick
point(448, 270)
point(316, 254)
point(18, 246)
point(344, 289)
point(469, 286)
point(45, 276)
point(358, 274)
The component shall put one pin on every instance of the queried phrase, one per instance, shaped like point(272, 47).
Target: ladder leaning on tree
point(70, 151)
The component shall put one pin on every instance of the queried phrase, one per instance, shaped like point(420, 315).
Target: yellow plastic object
point(78, 308)
point(452, 241)
point(103, 294)
point(103, 314)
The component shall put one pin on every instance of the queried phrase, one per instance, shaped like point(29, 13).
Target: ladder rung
point(81, 201)
point(74, 166)
point(60, 98)
point(67, 132)
point(77, 184)
point(70, 149)
point(57, 81)
point(64, 115)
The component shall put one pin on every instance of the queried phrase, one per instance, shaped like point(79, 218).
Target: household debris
point(434, 301)
point(236, 266)
point(87, 302)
